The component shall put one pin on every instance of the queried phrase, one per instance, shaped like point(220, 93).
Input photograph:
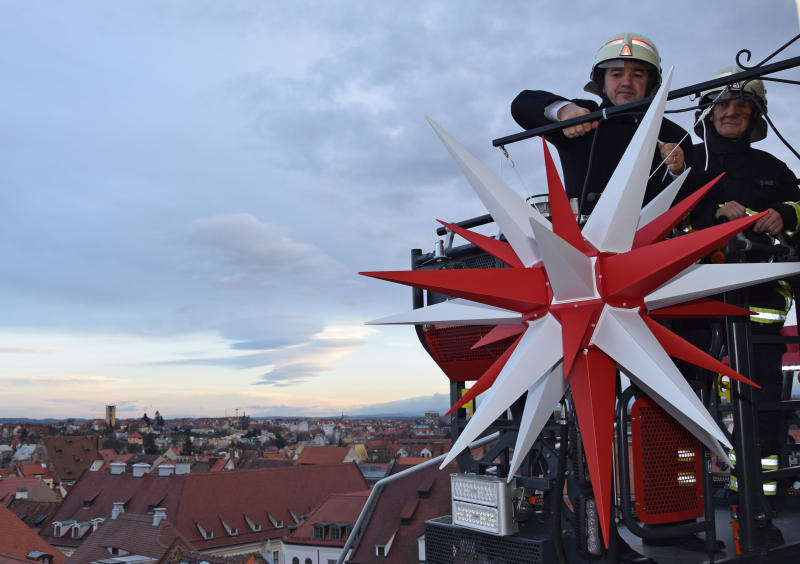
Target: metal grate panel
point(447, 544)
point(482, 260)
point(451, 346)
point(667, 466)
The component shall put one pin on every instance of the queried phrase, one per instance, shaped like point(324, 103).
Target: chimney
point(183, 466)
point(117, 468)
point(119, 507)
point(22, 493)
point(139, 469)
point(159, 514)
point(166, 470)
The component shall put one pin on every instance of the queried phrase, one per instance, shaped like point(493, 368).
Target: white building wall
point(316, 554)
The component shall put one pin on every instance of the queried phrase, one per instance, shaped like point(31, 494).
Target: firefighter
point(754, 181)
point(626, 68)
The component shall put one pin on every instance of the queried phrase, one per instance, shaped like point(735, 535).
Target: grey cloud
point(292, 361)
point(250, 249)
point(270, 331)
point(294, 373)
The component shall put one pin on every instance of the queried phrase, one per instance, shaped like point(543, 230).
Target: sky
point(188, 189)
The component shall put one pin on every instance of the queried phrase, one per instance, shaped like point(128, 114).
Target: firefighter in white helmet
point(626, 68)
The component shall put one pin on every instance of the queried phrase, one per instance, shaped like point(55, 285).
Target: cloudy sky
point(189, 188)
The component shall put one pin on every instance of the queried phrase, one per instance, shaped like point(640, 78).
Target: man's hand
point(771, 223)
point(731, 210)
point(673, 155)
point(572, 111)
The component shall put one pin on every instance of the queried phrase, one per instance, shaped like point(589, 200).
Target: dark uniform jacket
point(613, 137)
point(758, 181)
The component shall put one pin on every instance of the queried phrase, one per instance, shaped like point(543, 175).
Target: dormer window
point(89, 500)
point(207, 535)
point(232, 531)
point(321, 530)
point(383, 549)
point(39, 556)
point(255, 527)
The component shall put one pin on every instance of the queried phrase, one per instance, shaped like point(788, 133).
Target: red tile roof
point(33, 471)
point(401, 510)
point(134, 534)
point(95, 493)
point(33, 513)
point(336, 509)
point(11, 485)
point(70, 456)
point(217, 464)
point(209, 500)
point(322, 455)
point(411, 460)
point(17, 539)
point(258, 494)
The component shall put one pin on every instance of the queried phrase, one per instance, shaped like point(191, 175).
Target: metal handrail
point(373, 495)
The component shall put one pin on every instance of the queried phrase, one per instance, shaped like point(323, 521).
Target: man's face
point(626, 83)
point(731, 117)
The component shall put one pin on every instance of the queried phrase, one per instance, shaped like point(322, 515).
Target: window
point(276, 556)
point(308, 561)
point(295, 560)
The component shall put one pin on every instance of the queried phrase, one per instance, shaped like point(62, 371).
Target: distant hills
point(410, 407)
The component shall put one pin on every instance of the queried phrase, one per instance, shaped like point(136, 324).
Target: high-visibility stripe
point(772, 316)
point(637, 41)
point(767, 463)
point(769, 488)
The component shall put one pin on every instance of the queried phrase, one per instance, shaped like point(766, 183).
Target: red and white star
point(584, 303)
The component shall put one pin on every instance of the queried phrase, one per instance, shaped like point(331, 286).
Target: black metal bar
point(748, 460)
point(679, 93)
point(418, 300)
point(788, 472)
point(468, 223)
point(785, 405)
